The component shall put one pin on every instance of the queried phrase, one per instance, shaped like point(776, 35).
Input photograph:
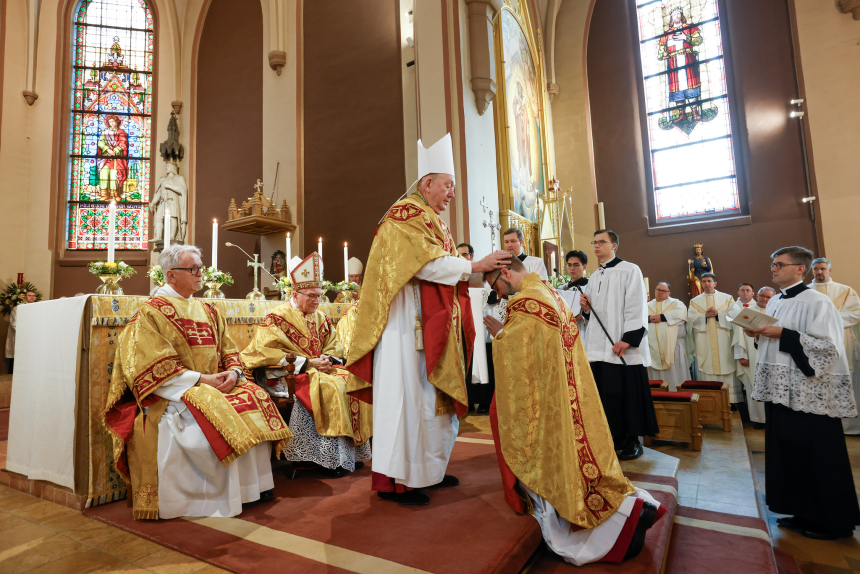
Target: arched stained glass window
point(687, 109)
point(111, 107)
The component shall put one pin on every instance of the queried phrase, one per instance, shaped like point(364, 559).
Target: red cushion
point(717, 385)
point(655, 384)
point(670, 396)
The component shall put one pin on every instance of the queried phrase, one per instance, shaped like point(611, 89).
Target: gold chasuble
point(165, 338)
point(288, 330)
point(551, 431)
point(410, 236)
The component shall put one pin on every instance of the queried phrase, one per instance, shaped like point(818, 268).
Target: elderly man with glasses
point(330, 428)
point(667, 330)
point(195, 438)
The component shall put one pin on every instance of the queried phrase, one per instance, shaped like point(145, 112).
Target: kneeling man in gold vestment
point(191, 435)
point(553, 443)
point(330, 428)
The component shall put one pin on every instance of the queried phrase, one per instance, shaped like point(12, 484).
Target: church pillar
point(483, 73)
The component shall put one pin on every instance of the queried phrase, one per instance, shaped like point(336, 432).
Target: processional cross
point(493, 225)
point(255, 294)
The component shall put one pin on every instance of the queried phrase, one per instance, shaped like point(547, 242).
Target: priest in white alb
point(667, 329)
point(416, 333)
point(708, 320)
point(745, 352)
point(848, 304)
point(191, 436)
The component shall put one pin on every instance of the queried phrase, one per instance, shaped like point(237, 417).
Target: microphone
point(228, 244)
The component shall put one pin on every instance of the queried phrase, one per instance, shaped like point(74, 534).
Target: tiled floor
point(812, 556)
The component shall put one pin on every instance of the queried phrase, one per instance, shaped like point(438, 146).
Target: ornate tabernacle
point(259, 215)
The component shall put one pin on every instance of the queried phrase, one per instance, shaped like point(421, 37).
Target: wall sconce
point(796, 114)
point(809, 199)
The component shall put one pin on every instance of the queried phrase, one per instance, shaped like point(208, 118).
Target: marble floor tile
point(42, 552)
point(167, 561)
point(128, 546)
point(86, 561)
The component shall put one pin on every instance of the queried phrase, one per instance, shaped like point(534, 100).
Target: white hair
point(822, 260)
point(768, 288)
point(172, 256)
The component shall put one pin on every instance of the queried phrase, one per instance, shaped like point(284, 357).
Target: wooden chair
point(658, 385)
point(678, 417)
point(714, 407)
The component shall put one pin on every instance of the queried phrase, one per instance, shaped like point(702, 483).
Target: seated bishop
point(191, 435)
point(330, 428)
point(552, 440)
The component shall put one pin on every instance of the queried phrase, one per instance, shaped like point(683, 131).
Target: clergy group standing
point(667, 330)
point(745, 353)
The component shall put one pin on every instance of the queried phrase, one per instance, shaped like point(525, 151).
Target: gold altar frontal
point(104, 318)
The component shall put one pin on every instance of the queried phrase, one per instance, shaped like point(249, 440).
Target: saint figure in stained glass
point(113, 159)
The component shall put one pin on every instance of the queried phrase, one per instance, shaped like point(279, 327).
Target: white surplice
point(712, 337)
point(571, 294)
point(778, 379)
point(744, 348)
point(667, 343)
point(617, 294)
point(411, 443)
point(848, 304)
point(534, 265)
point(10, 334)
point(191, 480)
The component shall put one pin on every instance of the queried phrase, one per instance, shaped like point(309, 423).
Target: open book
point(752, 320)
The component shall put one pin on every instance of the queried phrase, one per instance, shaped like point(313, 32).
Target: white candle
point(647, 288)
point(111, 231)
point(319, 250)
point(166, 228)
point(601, 218)
point(552, 258)
point(214, 244)
point(289, 253)
point(345, 263)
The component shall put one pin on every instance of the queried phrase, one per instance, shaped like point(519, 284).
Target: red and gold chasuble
point(410, 236)
point(165, 338)
point(548, 421)
point(287, 330)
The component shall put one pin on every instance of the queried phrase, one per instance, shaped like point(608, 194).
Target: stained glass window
point(687, 108)
point(111, 107)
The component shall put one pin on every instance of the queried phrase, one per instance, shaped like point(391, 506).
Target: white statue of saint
point(172, 193)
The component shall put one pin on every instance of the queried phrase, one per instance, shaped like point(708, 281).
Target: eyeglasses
point(311, 297)
point(780, 265)
point(493, 284)
point(193, 270)
point(601, 242)
point(662, 291)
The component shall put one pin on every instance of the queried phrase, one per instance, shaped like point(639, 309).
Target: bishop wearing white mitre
point(848, 304)
point(667, 327)
point(708, 319)
point(745, 351)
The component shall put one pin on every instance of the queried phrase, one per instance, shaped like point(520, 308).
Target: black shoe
point(825, 535)
point(266, 496)
point(446, 482)
point(631, 451)
point(338, 472)
point(359, 465)
point(408, 498)
point(758, 426)
point(646, 521)
point(792, 523)
point(734, 407)
point(483, 410)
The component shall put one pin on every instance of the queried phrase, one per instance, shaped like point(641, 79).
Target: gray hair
point(172, 256)
point(822, 260)
point(768, 288)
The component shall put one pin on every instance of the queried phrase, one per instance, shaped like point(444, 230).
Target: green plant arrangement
point(157, 275)
point(212, 275)
point(117, 268)
point(350, 286)
point(16, 294)
point(559, 281)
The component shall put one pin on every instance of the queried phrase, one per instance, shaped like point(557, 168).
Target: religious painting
point(687, 108)
point(111, 109)
point(521, 96)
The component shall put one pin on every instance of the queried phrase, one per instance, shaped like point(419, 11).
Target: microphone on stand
point(228, 244)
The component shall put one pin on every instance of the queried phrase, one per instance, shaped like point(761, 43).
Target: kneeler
point(515, 501)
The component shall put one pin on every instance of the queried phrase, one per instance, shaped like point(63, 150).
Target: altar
point(64, 359)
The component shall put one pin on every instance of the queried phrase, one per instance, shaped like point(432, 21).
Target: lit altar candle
point(345, 263)
point(166, 228)
point(111, 231)
point(647, 288)
point(552, 258)
point(289, 253)
point(319, 250)
point(214, 244)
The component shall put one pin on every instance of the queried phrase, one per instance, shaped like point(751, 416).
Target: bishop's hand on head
point(495, 260)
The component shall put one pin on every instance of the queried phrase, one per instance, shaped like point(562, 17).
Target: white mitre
point(438, 158)
point(294, 263)
point(354, 266)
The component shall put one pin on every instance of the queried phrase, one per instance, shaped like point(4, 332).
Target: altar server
point(616, 343)
point(329, 427)
point(552, 440)
point(848, 304)
point(576, 263)
point(667, 330)
point(514, 241)
point(708, 321)
point(415, 335)
point(191, 435)
point(802, 376)
point(745, 352)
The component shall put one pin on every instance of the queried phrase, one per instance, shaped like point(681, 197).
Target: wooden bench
point(658, 385)
point(678, 417)
point(714, 407)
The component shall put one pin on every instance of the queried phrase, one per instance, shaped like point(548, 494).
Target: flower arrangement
point(328, 286)
point(157, 275)
point(284, 284)
point(15, 295)
point(212, 275)
point(350, 286)
point(559, 281)
point(113, 268)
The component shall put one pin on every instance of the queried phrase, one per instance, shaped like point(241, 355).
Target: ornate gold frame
point(507, 217)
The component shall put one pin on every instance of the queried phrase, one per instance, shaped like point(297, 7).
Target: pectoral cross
point(255, 294)
point(494, 226)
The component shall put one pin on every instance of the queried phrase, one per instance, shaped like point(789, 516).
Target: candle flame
point(320, 241)
point(344, 243)
point(288, 234)
point(214, 221)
